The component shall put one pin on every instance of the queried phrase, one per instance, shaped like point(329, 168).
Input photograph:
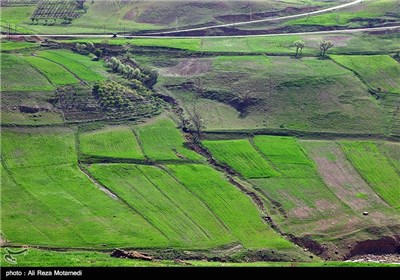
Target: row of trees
point(324, 46)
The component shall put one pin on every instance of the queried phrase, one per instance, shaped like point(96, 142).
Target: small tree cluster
point(125, 70)
point(131, 71)
point(88, 48)
point(113, 96)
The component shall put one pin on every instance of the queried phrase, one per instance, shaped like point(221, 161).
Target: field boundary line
point(169, 199)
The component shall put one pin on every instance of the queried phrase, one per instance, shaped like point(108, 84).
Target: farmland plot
point(12, 67)
point(163, 141)
point(340, 176)
point(80, 65)
point(55, 73)
point(375, 168)
point(112, 141)
point(242, 157)
point(381, 72)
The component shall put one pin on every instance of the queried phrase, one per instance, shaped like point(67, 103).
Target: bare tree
point(195, 123)
point(299, 44)
point(324, 46)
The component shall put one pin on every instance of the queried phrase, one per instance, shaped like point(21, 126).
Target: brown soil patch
point(341, 177)
point(188, 67)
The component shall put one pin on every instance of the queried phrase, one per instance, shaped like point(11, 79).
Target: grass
point(112, 141)
point(12, 67)
point(381, 72)
point(232, 207)
point(176, 212)
point(80, 65)
point(161, 140)
point(307, 94)
point(242, 157)
point(48, 201)
point(370, 10)
point(375, 168)
point(42, 118)
point(55, 73)
point(7, 46)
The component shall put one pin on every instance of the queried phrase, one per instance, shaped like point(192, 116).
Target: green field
point(6, 46)
point(112, 141)
point(232, 207)
point(81, 66)
point(381, 72)
point(55, 73)
point(375, 168)
point(48, 201)
point(161, 140)
point(174, 210)
point(242, 157)
point(12, 66)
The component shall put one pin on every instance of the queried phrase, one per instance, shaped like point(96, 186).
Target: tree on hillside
point(324, 46)
point(195, 124)
point(299, 44)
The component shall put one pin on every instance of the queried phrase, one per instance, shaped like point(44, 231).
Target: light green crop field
point(392, 152)
point(369, 9)
point(55, 73)
point(378, 71)
point(14, 46)
point(233, 208)
point(48, 201)
point(175, 211)
point(80, 65)
point(112, 141)
point(12, 67)
point(161, 140)
point(375, 168)
point(242, 157)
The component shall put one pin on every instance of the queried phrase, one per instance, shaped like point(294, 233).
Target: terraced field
point(55, 73)
point(11, 68)
point(81, 66)
point(242, 157)
point(111, 141)
point(381, 72)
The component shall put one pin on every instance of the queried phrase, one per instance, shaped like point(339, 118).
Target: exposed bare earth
point(188, 67)
point(340, 176)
